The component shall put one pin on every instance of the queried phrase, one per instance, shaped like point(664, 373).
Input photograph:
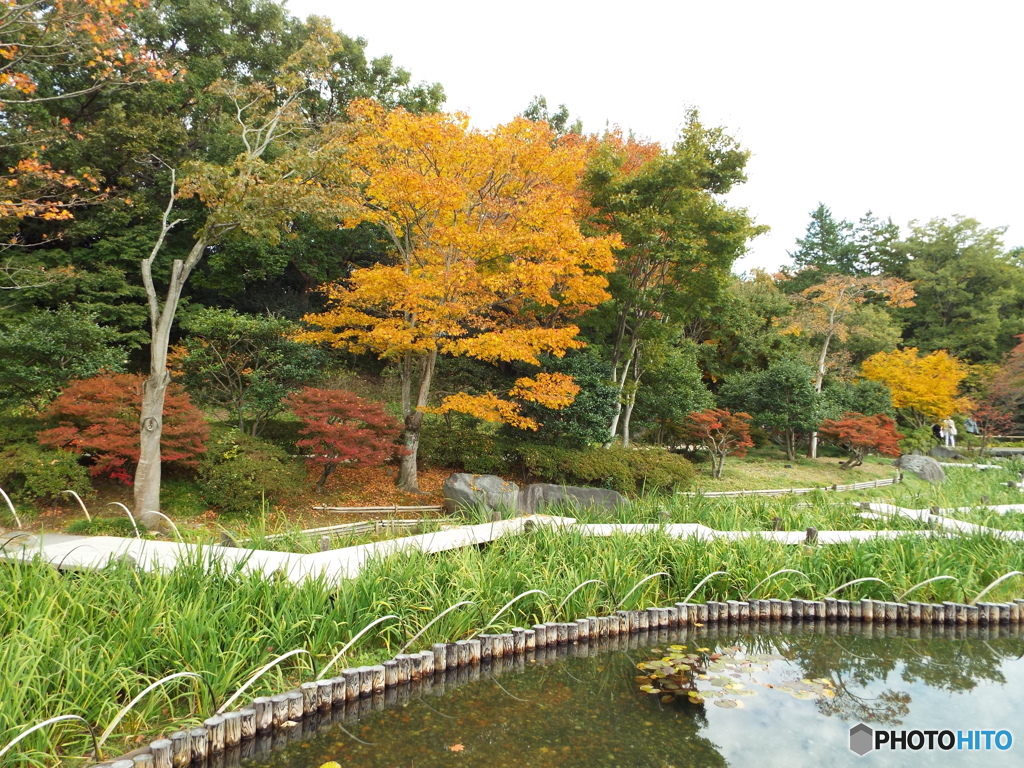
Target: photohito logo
point(864, 738)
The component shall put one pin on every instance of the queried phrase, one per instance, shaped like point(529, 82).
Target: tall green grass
point(86, 643)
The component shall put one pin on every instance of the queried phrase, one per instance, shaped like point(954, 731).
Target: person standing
point(949, 430)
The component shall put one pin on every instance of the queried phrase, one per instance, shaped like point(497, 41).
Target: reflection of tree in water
point(581, 712)
point(854, 661)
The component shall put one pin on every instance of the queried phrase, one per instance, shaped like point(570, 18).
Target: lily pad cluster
point(724, 677)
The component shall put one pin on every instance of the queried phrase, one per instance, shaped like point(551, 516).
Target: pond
point(724, 696)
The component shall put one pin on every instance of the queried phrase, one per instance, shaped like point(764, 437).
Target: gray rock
point(924, 467)
point(1005, 453)
point(539, 495)
point(489, 491)
point(942, 452)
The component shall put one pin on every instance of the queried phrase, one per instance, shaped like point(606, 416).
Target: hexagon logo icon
point(862, 739)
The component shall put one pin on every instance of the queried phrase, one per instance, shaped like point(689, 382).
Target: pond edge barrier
point(225, 739)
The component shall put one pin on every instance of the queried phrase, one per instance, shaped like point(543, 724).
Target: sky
point(909, 109)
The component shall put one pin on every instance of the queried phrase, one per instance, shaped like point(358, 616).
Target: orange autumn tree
point(489, 261)
point(924, 389)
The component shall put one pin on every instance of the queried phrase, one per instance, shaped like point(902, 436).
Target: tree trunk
point(790, 441)
point(154, 390)
point(819, 379)
point(620, 385)
point(408, 479)
point(322, 480)
point(630, 402)
point(148, 472)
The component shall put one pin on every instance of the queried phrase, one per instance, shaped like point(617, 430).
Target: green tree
point(970, 292)
point(740, 331)
point(245, 363)
point(673, 387)
point(43, 350)
point(680, 236)
point(826, 248)
point(781, 399)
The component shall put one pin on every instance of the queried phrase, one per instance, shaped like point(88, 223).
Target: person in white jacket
point(949, 432)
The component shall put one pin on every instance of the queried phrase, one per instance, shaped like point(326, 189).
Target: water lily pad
point(728, 704)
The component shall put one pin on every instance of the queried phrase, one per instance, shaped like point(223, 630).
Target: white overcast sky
point(911, 109)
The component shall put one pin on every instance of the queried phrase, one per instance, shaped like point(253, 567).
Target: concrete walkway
point(93, 552)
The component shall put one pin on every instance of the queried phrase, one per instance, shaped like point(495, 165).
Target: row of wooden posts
point(273, 713)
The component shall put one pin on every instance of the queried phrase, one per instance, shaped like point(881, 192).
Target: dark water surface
point(583, 707)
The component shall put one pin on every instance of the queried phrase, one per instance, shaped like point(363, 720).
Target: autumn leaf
point(456, 748)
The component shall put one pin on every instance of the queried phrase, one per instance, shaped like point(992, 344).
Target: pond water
point(775, 698)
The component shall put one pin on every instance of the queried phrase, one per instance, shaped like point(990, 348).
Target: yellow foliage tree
point(489, 261)
point(924, 389)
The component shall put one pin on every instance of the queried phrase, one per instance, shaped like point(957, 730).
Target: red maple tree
point(860, 435)
point(339, 427)
point(99, 418)
point(721, 432)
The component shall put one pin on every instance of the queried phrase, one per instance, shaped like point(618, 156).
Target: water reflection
point(581, 706)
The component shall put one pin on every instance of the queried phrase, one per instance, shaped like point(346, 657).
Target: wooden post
point(215, 734)
point(309, 702)
point(232, 729)
point(199, 744)
point(519, 640)
point(377, 675)
point(294, 705)
point(914, 612)
point(426, 665)
point(324, 694)
point(798, 608)
point(831, 608)
point(340, 690)
point(486, 647)
point(867, 610)
point(143, 761)
point(572, 632)
point(181, 749)
point(325, 543)
point(529, 640)
point(562, 633)
point(365, 681)
point(902, 613)
point(352, 683)
point(540, 634)
point(643, 621)
point(938, 613)
point(463, 652)
point(440, 651)
point(264, 713)
point(404, 668)
point(162, 752)
point(390, 673)
point(508, 645)
point(247, 723)
point(473, 648)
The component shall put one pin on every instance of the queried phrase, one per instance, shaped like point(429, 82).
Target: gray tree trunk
point(408, 478)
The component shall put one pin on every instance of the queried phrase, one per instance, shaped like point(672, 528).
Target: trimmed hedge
point(626, 470)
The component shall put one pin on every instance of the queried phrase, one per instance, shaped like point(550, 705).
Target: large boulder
point(539, 495)
point(924, 467)
point(488, 491)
